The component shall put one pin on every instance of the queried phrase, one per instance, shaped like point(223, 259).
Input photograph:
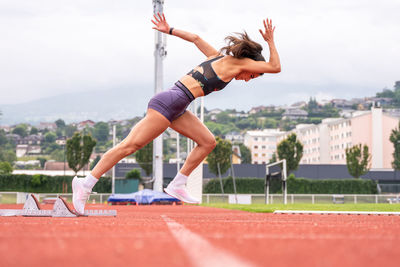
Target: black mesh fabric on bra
point(208, 80)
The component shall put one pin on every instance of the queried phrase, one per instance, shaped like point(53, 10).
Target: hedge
point(39, 183)
point(295, 186)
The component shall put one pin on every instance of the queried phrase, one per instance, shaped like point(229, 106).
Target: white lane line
point(336, 212)
point(200, 252)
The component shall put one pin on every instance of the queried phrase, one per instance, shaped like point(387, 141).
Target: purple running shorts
point(173, 102)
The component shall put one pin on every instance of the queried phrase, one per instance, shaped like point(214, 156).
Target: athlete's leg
point(190, 126)
point(151, 126)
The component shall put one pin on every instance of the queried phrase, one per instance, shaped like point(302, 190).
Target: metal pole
point(285, 182)
point(113, 169)
point(159, 54)
point(65, 144)
point(234, 180)
point(178, 154)
point(267, 186)
point(220, 180)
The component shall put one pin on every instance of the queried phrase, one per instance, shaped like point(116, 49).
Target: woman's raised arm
point(162, 26)
point(274, 64)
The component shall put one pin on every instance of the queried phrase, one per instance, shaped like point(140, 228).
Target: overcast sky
point(329, 49)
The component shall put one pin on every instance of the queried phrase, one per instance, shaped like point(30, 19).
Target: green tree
point(395, 139)
point(94, 162)
point(223, 117)
point(357, 160)
point(3, 138)
point(290, 149)
point(5, 167)
point(79, 149)
point(144, 158)
point(50, 137)
point(273, 159)
point(70, 130)
point(246, 153)
point(385, 93)
point(222, 155)
point(34, 130)
point(59, 132)
point(50, 148)
point(312, 105)
point(396, 96)
point(42, 161)
point(21, 130)
point(133, 174)
point(57, 155)
point(8, 155)
point(60, 123)
point(101, 131)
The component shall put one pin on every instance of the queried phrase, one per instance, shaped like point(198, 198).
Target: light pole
point(159, 55)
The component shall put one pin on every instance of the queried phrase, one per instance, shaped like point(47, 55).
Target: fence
point(19, 197)
point(308, 198)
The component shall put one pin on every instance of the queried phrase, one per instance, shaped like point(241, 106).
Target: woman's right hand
point(161, 23)
point(268, 34)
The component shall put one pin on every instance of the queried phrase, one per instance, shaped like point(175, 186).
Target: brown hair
point(242, 46)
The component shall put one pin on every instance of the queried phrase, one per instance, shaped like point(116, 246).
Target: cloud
point(327, 48)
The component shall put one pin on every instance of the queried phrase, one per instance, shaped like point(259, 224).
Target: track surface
point(199, 236)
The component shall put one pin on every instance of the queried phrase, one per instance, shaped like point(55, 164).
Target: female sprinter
point(241, 59)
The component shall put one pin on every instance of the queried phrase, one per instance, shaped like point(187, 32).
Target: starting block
point(60, 209)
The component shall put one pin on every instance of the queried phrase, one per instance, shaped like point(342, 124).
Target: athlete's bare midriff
point(222, 67)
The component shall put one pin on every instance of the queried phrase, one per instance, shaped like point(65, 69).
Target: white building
point(326, 142)
point(262, 144)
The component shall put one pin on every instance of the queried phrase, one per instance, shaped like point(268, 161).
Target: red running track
point(199, 236)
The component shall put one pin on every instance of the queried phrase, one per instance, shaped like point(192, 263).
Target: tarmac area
point(186, 235)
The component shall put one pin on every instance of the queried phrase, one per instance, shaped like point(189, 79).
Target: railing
point(308, 198)
point(19, 197)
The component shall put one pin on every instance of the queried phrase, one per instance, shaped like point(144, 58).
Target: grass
point(264, 208)
point(8, 199)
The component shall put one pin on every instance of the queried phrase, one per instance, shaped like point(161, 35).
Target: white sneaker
point(80, 195)
point(180, 193)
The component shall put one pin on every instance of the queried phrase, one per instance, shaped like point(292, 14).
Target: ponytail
point(242, 47)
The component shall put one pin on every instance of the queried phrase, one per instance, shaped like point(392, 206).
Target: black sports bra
point(208, 80)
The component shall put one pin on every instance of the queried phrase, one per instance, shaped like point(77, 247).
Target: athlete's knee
point(129, 148)
point(210, 143)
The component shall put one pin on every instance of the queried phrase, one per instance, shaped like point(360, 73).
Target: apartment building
point(326, 142)
point(262, 144)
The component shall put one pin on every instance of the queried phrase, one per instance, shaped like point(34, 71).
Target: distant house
point(21, 150)
point(214, 111)
point(254, 110)
point(347, 104)
point(14, 138)
point(47, 125)
point(238, 115)
point(299, 104)
point(381, 101)
point(83, 124)
point(5, 128)
point(33, 139)
point(235, 137)
point(59, 166)
point(61, 141)
point(236, 156)
point(24, 149)
point(294, 114)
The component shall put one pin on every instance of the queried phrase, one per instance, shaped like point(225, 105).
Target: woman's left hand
point(268, 33)
point(161, 23)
